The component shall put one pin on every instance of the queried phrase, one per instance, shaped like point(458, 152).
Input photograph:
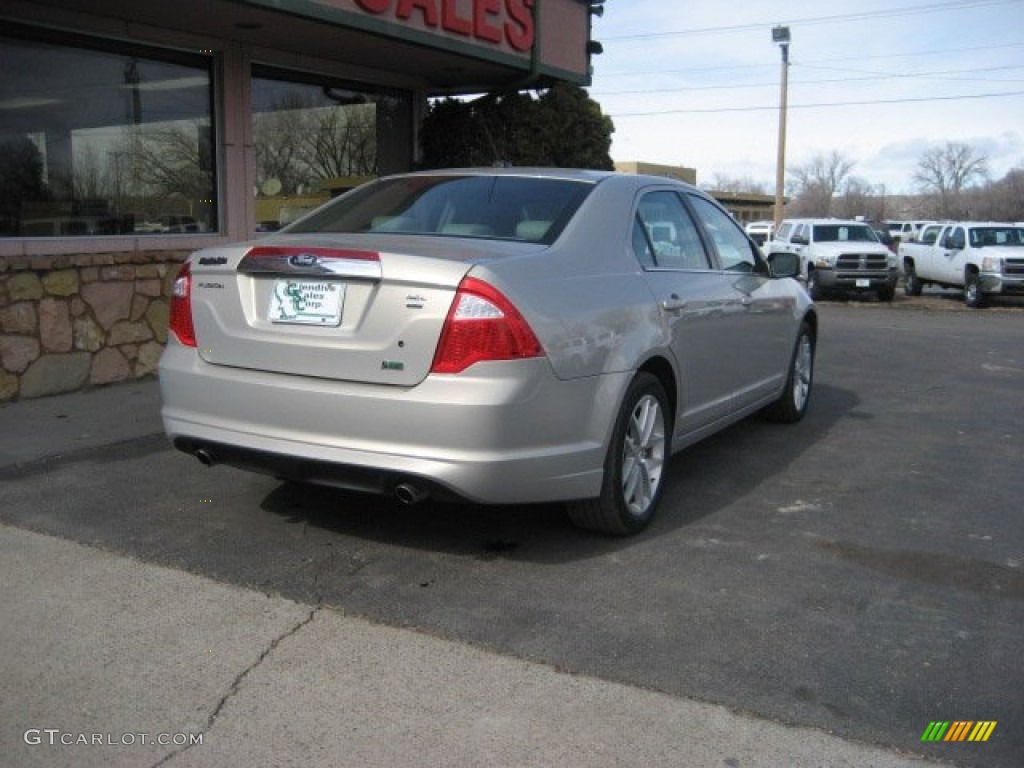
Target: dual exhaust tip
point(406, 492)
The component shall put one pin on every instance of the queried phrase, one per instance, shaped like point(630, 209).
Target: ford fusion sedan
point(495, 336)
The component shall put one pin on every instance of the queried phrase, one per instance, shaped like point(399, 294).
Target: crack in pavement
point(236, 685)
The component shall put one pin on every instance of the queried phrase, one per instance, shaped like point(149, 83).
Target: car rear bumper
point(507, 433)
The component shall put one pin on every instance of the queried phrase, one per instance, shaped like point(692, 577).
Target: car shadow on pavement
point(700, 481)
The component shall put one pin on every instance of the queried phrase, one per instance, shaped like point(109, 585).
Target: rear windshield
point(844, 233)
point(505, 207)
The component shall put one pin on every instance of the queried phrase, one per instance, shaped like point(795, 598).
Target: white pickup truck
point(982, 259)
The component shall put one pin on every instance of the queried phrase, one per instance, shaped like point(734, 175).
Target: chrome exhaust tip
point(410, 494)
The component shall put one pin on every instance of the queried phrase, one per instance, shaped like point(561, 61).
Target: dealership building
point(135, 131)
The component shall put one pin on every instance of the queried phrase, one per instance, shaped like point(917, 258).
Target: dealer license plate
point(306, 302)
point(863, 282)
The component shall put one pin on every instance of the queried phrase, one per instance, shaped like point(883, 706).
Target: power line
point(717, 110)
point(812, 62)
point(867, 76)
point(812, 20)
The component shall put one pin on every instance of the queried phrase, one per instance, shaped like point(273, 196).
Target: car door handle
point(746, 301)
point(673, 304)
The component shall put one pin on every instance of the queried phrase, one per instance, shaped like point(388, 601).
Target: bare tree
point(276, 134)
point(339, 141)
point(945, 171)
point(817, 182)
point(90, 180)
point(172, 161)
point(1001, 200)
point(301, 140)
point(860, 198)
point(721, 182)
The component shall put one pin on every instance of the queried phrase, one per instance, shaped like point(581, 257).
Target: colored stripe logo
point(958, 730)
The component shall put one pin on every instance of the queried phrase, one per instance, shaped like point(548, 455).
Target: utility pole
point(780, 35)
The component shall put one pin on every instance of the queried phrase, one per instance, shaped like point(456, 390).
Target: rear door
point(924, 250)
point(950, 266)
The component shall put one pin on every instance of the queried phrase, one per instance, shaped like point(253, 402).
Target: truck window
point(955, 240)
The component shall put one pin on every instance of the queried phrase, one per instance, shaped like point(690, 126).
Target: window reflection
point(317, 138)
point(94, 142)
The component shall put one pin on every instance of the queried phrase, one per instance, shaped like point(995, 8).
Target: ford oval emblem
point(303, 260)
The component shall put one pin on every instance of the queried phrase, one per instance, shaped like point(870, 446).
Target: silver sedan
point(498, 336)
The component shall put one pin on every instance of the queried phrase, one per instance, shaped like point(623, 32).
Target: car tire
point(974, 297)
point(912, 284)
point(792, 404)
point(814, 289)
point(634, 466)
point(888, 293)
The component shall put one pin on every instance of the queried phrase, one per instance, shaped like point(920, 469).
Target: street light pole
point(780, 35)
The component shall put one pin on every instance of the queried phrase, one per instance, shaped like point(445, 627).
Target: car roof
point(577, 174)
point(828, 221)
point(568, 174)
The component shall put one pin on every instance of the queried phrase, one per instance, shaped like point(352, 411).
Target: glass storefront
point(103, 139)
point(106, 138)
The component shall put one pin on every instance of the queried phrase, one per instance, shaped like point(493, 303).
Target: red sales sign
point(487, 21)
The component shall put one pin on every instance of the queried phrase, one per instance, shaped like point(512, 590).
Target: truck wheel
point(912, 283)
point(814, 289)
point(888, 293)
point(973, 295)
point(634, 466)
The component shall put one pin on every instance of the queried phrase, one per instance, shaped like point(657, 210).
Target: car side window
point(665, 236)
point(735, 251)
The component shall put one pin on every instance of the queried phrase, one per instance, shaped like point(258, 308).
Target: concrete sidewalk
point(108, 661)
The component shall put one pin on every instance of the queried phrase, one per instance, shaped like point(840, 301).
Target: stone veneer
point(69, 322)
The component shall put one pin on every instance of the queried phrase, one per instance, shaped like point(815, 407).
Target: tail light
point(180, 322)
point(482, 325)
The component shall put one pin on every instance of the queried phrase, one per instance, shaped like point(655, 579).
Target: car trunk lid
point(337, 308)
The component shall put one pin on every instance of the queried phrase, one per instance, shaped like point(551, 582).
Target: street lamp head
point(780, 35)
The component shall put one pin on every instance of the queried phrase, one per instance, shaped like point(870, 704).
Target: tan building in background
point(677, 172)
point(744, 206)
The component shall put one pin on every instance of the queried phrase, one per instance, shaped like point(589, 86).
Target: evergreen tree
point(563, 127)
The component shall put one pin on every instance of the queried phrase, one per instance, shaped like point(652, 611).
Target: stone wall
point(70, 322)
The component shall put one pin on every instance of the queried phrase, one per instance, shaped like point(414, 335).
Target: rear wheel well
point(811, 318)
point(660, 368)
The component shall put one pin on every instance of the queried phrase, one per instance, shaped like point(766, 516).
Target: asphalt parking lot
point(859, 573)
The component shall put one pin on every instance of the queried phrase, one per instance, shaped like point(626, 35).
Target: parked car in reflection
point(760, 231)
point(493, 335)
point(170, 224)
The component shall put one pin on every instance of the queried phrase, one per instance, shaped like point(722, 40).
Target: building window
point(103, 138)
point(317, 137)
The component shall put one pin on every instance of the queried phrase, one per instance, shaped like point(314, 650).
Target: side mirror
point(784, 265)
point(799, 240)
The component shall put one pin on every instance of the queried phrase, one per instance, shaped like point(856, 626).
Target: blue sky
point(696, 83)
